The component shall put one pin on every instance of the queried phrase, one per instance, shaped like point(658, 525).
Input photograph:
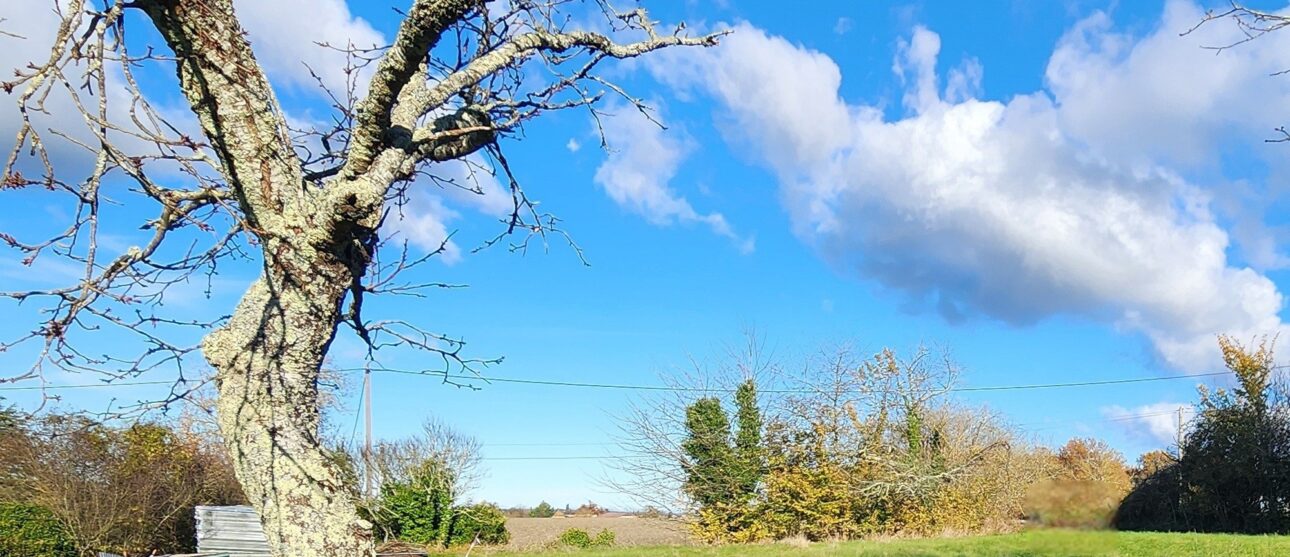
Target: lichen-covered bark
point(268, 357)
point(315, 243)
point(425, 22)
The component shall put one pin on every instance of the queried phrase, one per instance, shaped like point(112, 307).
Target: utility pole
point(367, 433)
point(1179, 435)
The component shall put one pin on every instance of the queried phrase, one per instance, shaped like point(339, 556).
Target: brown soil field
point(534, 533)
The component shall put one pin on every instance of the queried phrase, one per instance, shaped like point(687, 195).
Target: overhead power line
point(666, 388)
point(83, 386)
point(589, 457)
point(669, 388)
point(1029, 426)
point(556, 444)
point(577, 457)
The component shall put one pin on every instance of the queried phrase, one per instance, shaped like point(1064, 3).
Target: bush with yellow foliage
point(874, 446)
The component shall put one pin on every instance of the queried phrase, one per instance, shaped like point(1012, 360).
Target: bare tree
point(128, 490)
point(456, 453)
point(452, 84)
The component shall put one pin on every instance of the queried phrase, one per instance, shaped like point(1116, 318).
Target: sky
point(1053, 191)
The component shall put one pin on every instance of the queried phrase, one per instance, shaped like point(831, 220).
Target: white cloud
point(36, 25)
point(983, 207)
point(643, 159)
point(1154, 423)
point(964, 82)
point(1163, 97)
point(917, 56)
point(843, 26)
point(285, 35)
point(425, 221)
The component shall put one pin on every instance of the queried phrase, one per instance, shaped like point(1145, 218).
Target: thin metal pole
point(367, 433)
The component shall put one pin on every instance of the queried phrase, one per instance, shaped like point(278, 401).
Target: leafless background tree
point(306, 207)
point(396, 461)
point(129, 490)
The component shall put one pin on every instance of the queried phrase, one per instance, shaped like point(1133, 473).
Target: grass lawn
point(1030, 543)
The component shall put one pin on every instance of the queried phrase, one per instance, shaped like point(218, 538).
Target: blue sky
point(1054, 191)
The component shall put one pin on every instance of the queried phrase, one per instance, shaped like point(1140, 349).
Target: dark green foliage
point(420, 509)
point(1154, 504)
point(575, 537)
point(579, 538)
point(707, 445)
point(543, 510)
point(1234, 476)
point(723, 477)
point(914, 432)
point(750, 458)
point(1234, 472)
point(482, 521)
point(721, 472)
point(31, 531)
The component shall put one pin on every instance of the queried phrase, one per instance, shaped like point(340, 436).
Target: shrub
point(1089, 479)
point(1234, 468)
point(579, 538)
point(1073, 503)
point(125, 490)
point(605, 538)
point(418, 510)
point(31, 531)
point(575, 537)
point(484, 520)
point(543, 510)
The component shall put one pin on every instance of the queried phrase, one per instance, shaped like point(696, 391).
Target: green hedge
point(485, 520)
point(31, 531)
point(579, 538)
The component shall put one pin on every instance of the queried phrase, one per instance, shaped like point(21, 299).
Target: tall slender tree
point(749, 453)
point(708, 452)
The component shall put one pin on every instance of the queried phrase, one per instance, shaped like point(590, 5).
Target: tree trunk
point(268, 359)
point(315, 244)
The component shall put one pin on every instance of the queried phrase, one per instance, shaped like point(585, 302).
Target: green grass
point(1031, 543)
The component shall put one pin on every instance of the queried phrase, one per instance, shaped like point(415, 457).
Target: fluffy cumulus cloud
point(1066, 201)
point(642, 160)
point(1163, 97)
point(1151, 423)
point(285, 35)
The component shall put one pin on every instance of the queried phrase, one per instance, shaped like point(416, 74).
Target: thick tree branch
point(515, 50)
point(420, 31)
point(235, 105)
